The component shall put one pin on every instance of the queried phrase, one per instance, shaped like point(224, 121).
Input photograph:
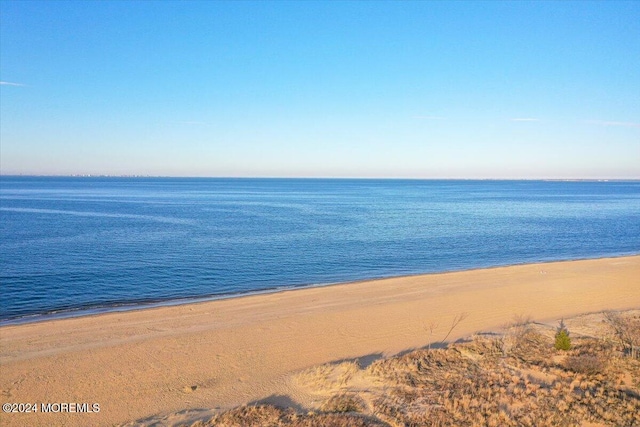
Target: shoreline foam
point(227, 352)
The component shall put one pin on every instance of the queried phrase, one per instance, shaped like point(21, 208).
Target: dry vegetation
point(516, 378)
point(271, 416)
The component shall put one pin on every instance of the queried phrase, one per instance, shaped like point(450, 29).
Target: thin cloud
point(613, 123)
point(10, 84)
point(525, 119)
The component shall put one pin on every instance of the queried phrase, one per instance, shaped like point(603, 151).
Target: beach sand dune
point(219, 354)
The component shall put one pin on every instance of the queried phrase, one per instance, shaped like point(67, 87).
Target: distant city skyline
point(467, 90)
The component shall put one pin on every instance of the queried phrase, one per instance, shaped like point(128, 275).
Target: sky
point(498, 90)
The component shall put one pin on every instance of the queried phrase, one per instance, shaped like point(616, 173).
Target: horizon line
point(134, 176)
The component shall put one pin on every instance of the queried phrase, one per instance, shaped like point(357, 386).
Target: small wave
point(163, 219)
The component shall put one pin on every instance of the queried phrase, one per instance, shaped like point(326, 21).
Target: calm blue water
point(84, 243)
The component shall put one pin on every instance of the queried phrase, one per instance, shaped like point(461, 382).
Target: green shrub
point(563, 342)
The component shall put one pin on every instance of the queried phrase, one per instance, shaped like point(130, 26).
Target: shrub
point(342, 403)
point(563, 342)
point(627, 330)
point(585, 364)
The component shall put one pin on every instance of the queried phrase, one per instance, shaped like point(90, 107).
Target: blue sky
point(321, 89)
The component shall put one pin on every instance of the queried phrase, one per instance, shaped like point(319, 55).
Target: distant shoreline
point(334, 178)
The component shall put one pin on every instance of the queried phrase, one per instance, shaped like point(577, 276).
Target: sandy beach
point(219, 354)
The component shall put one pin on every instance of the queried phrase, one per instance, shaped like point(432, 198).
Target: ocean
point(71, 246)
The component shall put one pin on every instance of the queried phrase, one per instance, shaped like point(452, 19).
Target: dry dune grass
point(329, 377)
point(271, 416)
point(515, 378)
